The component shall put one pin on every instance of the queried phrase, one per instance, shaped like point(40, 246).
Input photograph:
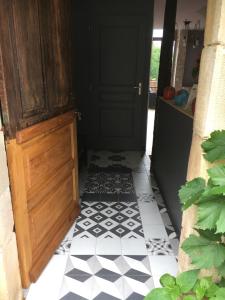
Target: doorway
point(153, 86)
point(114, 50)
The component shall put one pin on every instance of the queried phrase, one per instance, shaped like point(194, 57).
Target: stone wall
point(210, 104)
point(10, 282)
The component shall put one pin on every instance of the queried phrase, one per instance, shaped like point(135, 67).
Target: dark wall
point(172, 145)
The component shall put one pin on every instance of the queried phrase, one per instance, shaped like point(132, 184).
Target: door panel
point(108, 117)
point(28, 47)
point(35, 42)
point(56, 27)
point(117, 109)
point(44, 179)
point(114, 42)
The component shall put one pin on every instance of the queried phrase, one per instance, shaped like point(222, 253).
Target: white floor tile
point(154, 231)
point(150, 214)
point(161, 265)
point(49, 283)
point(133, 246)
point(88, 265)
point(117, 265)
point(142, 186)
point(108, 246)
point(141, 266)
point(81, 246)
point(82, 288)
point(132, 286)
point(108, 286)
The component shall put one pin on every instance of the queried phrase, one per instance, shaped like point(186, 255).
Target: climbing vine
point(206, 246)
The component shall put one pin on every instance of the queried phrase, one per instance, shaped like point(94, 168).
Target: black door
point(116, 106)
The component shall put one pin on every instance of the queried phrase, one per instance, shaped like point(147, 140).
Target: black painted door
point(119, 52)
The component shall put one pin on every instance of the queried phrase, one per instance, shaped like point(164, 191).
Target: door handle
point(139, 87)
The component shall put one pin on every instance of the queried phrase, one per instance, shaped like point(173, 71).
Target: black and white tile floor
point(123, 240)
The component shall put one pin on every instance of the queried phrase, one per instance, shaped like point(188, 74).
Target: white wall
point(193, 10)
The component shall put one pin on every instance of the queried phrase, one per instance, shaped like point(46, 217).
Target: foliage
point(155, 57)
point(214, 147)
point(206, 248)
point(186, 286)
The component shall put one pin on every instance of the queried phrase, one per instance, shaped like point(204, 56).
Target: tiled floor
point(123, 240)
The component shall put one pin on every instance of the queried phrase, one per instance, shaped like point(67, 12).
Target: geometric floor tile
point(109, 220)
point(72, 296)
point(161, 265)
point(145, 197)
point(137, 289)
point(123, 239)
point(159, 246)
point(109, 276)
point(104, 296)
point(66, 243)
point(80, 288)
point(83, 246)
point(133, 246)
point(154, 231)
point(108, 246)
point(170, 232)
point(135, 296)
point(78, 275)
point(175, 246)
point(106, 288)
point(112, 183)
point(137, 275)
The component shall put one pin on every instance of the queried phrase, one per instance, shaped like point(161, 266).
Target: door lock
point(139, 87)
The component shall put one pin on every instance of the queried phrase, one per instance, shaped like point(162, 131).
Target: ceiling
point(192, 10)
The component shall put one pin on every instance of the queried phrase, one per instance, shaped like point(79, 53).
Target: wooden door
point(35, 42)
point(24, 100)
point(44, 180)
point(56, 28)
point(120, 41)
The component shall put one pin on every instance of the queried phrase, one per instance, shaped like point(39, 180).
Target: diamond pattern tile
point(111, 255)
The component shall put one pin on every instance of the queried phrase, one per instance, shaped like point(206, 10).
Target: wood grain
point(43, 169)
point(29, 55)
point(35, 45)
point(44, 127)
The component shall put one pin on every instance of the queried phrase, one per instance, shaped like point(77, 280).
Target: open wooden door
point(44, 182)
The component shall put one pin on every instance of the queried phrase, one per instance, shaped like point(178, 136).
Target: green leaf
point(217, 190)
point(187, 280)
point(156, 294)
point(199, 291)
point(205, 283)
point(210, 234)
point(168, 280)
point(203, 252)
point(191, 192)
point(220, 295)
point(217, 175)
point(190, 297)
point(202, 287)
point(222, 282)
point(174, 292)
point(207, 195)
point(221, 269)
point(211, 291)
point(214, 147)
point(211, 215)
